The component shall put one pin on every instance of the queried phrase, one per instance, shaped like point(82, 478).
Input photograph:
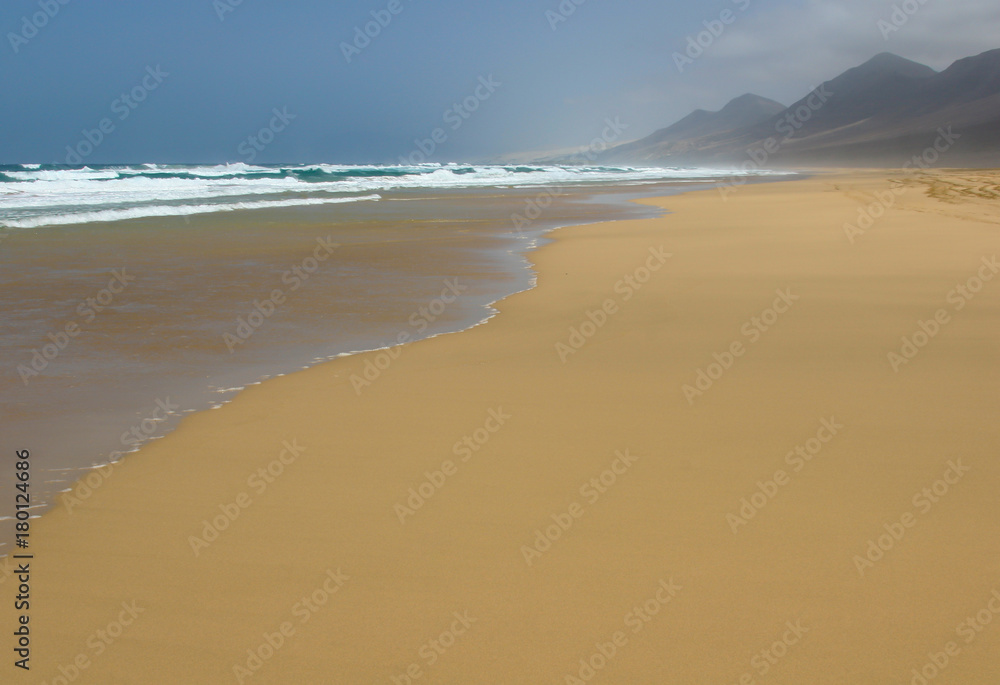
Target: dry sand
point(661, 535)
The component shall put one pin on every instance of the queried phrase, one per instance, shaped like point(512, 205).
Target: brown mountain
point(742, 112)
point(880, 113)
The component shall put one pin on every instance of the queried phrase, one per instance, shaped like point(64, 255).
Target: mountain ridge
point(872, 114)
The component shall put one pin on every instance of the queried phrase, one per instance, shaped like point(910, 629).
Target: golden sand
point(768, 523)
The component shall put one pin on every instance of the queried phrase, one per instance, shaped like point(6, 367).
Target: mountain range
point(880, 113)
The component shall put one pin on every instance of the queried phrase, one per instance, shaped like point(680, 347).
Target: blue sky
point(561, 75)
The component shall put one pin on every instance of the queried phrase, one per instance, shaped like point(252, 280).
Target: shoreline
point(537, 430)
point(472, 309)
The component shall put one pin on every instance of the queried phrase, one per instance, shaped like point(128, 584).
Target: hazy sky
point(208, 83)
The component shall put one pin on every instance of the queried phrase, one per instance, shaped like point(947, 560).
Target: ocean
point(33, 195)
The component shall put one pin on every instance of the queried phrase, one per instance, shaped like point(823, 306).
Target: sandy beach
point(167, 331)
point(751, 441)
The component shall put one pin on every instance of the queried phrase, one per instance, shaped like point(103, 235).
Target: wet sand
point(679, 469)
point(177, 313)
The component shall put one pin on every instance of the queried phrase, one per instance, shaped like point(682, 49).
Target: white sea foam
point(171, 210)
point(34, 195)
